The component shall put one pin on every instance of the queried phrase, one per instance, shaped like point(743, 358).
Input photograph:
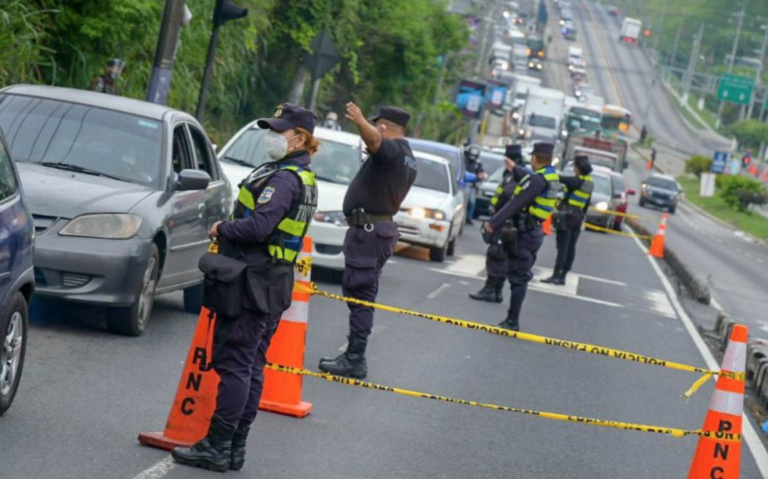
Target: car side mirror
point(631, 191)
point(190, 180)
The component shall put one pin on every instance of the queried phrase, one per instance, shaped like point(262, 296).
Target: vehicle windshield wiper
point(239, 162)
point(80, 169)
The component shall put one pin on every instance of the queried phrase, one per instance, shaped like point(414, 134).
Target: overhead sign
point(736, 89)
point(719, 162)
point(470, 98)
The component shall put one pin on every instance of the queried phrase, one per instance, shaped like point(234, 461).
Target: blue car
point(17, 279)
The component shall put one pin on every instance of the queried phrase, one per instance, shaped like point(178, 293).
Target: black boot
point(498, 297)
point(560, 280)
point(238, 446)
point(553, 279)
point(487, 293)
point(351, 363)
point(510, 323)
point(213, 452)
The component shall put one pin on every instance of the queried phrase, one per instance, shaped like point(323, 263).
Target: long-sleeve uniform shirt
point(573, 183)
point(530, 190)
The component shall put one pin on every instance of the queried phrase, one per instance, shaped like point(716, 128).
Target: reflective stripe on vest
point(579, 197)
point(544, 204)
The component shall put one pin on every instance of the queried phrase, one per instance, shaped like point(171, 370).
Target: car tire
point(641, 203)
point(617, 225)
point(132, 321)
point(14, 325)
point(672, 209)
point(451, 249)
point(438, 254)
point(193, 299)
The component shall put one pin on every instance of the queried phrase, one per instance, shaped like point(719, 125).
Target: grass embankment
point(754, 224)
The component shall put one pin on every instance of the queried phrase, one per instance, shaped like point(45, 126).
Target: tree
point(750, 133)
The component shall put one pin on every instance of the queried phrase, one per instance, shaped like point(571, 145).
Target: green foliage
point(750, 133)
point(23, 32)
point(740, 192)
point(697, 165)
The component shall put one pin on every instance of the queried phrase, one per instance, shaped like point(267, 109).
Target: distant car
point(493, 164)
point(620, 195)
point(122, 194)
point(570, 34)
point(535, 64)
point(613, 11)
point(335, 164)
point(603, 199)
point(660, 190)
point(17, 278)
point(433, 212)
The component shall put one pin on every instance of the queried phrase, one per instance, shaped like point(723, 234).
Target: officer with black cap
point(372, 199)
point(259, 247)
point(569, 217)
point(496, 257)
point(519, 224)
point(107, 83)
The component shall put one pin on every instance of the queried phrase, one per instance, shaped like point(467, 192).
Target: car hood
point(330, 195)
point(425, 198)
point(598, 197)
point(67, 194)
point(489, 186)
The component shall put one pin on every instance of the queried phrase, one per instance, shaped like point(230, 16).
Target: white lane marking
point(659, 303)
point(750, 435)
point(468, 264)
point(159, 470)
point(439, 290)
point(570, 287)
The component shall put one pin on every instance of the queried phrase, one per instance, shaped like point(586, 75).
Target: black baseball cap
point(289, 116)
point(513, 152)
point(543, 148)
point(394, 114)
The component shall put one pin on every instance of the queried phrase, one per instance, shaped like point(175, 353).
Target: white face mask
point(277, 145)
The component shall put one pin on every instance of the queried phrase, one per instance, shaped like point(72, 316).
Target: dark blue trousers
point(520, 269)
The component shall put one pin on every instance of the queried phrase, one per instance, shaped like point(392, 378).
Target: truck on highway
point(607, 151)
point(544, 108)
point(520, 58)
point(630, 30)
point(536, 48)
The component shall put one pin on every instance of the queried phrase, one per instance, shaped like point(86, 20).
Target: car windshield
point(618, 184)
point(336, 162)
point(495, 177)
point(542, 121)
point(602, 184)
point(432, 175)
point(249, 149)
point(491, 162)
point(82, 138)
point(583, 122)
point(662, 183)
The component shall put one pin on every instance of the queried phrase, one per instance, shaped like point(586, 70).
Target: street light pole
point(673, 58)
point(732, 59)
point(692, 64)
point(758, 72)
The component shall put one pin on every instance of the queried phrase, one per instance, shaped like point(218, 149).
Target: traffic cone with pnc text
point(657, 244)
point(717, 456)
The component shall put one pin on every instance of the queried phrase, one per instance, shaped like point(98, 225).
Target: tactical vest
point(544, 204)
point(285, 242)
point(500, 199)
point(580, 196)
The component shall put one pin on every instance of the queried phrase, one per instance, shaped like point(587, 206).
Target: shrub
point(697, 165)
point(739, 192)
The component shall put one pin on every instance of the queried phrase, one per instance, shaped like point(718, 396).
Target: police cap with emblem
point(394, 114)
point(544, 148)
point(513, 152)
point(582, 162)
point(288, 116)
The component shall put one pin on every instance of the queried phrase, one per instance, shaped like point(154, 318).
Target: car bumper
point(663, 202)
point(423, 232)
point(327, 244)
point(598, 219)
point(90, 270)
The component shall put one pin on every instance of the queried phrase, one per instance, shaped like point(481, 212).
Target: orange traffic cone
point(547, 226)
point(649, 164)
point(657, 245)
point(764, 176)
point(753, 170)
point(715, 456)
point(195, 400)
point(282, 391)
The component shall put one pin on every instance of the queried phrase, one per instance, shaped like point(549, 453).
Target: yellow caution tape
point(615, 213)
point(546, 415)
point(572, 345)
point(303, 266)
point(592, 227)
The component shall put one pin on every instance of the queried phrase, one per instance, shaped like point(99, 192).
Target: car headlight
point(106, 226)
point(564, 133)
point(515, 115)
point(602, 206)
point(334, 217)
point(562, 22)
point(539, 66)
point(570, 67)
point(420, 213)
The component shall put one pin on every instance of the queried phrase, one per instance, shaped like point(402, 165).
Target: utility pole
point(673, 58)
point(175, 16)
point(758, 72)
point(731, 60)
point(692, 64)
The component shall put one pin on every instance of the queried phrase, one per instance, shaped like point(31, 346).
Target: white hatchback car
point(433, 212)
point(335, 164)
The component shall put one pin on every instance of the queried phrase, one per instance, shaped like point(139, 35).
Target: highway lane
point(86, 393)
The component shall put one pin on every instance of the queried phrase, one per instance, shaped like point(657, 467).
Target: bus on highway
point(616, 119)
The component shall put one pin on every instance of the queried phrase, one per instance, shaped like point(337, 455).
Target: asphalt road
point(86, 393)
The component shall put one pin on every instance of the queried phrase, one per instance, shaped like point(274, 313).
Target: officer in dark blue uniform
point(569, 217)
point(519, 224)
point(373, 198)
point(272, 214)
point(496, 257)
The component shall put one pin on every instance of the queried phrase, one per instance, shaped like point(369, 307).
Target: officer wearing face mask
point(106, 83)
point(260, 245)
point(373, 198)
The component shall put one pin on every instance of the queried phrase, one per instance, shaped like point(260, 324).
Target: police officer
point(474, 166)
point(272, 214)
point(106, 83)
point(569, 217)
point(373, 198)
point(532, 203)
point(496, 257)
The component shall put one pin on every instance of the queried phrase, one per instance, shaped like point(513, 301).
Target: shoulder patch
point(266, 195)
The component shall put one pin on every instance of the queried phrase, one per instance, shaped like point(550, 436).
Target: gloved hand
point(487, 237)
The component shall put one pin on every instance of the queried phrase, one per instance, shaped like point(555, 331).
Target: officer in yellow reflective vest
point(569, 217)
point(496, 257)
point(519, 224)
point(273, 211)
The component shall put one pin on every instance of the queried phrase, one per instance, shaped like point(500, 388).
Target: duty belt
point(525, 222)
point(362, 218)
